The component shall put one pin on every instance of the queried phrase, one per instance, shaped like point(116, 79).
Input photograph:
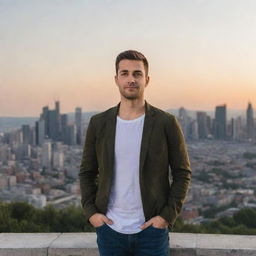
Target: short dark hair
point(131, 55)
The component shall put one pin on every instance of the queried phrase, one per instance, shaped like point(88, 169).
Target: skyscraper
point(58, 120)
point(52, 122)
point(220, 122)
point(236, 127)
point(47, 154)
point(71, 134)
point(64, 128)
point(249, 122)
point(184, 121)
point(53, 125)
point(26, 134)
point(202, 124)
point(78, 122)
point(40, 131)
point(45, 117)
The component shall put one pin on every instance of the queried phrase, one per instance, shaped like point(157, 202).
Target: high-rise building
point(220, 129)
point(249, 122)
point(45, 117)
point(209, 126)
point(184, 121)
point(237, 130)
point(58, 120)
point(53, 132)
point(78, 122)
point(26, 134)
point(58, 160)
point(202, 124)
point(71, 134)
point(193, 134)
point(47, 154)
point(57, 107)
point(52, 122)
point(40, 131)
point(64, 125)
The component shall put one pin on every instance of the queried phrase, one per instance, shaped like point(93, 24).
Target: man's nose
point(131, 79)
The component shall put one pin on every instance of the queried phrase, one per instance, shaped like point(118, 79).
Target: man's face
point(131, 79)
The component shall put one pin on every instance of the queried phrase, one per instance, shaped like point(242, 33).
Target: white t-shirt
point(125, 205)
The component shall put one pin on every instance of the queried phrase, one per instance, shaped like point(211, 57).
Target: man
point(126, 190)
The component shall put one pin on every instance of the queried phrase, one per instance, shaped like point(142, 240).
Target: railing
point(84, 244)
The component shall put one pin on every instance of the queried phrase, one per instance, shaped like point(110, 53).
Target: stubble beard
point(130, 97)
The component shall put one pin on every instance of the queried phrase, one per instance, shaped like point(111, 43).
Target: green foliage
point(242, 223)
point(228, 221)
point(211, 212)
point(246, 217)
point(22, 217)
point(21, 211)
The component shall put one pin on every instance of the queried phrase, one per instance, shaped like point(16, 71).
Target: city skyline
point(54, 124)
point(201, 53)
point(230, 113)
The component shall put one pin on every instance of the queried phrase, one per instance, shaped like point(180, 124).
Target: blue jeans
point(149, 242)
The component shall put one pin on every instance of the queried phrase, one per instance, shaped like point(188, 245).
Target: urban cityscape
point(40, 164)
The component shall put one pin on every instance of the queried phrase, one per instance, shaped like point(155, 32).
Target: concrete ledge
point(84, 244)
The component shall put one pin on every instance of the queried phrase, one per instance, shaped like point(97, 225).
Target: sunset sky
point(201, 53)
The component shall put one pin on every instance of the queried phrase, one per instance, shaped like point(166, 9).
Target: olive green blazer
point(163, 149)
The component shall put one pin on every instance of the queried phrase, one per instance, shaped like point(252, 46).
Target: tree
point(247, 217)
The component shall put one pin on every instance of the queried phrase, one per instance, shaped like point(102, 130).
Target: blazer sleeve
point(180, 170)
point(88, 173)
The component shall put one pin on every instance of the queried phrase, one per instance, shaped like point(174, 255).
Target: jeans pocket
point(100, 226)
point(160, 229)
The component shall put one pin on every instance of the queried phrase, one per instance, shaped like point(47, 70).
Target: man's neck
point(131, 109)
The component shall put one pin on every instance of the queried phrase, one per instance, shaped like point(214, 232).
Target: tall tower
point(221, 122)
point(57, 107)
point(52, 122)
point(58, 120)
point(184, 121)
point(78, 122)
point(64, 125)
point(47, 154)
point(45, 117)
point(26, 133)
point(249, 122)
point(202, 124)
point(40, 131)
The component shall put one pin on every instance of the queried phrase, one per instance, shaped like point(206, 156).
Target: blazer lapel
point(146, 135)
point(110, 133)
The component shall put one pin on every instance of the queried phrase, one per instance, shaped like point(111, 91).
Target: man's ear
point(116, 79)
point(147, 80)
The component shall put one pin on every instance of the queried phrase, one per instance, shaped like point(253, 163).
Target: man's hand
point(98, 219)
point(157, 222)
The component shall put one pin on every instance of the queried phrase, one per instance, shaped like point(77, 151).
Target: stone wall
point(84, 244)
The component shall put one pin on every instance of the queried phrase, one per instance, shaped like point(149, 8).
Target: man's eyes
point(135, 74)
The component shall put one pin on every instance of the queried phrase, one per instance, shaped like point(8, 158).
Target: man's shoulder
point(162, 113)
point(102, 115)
